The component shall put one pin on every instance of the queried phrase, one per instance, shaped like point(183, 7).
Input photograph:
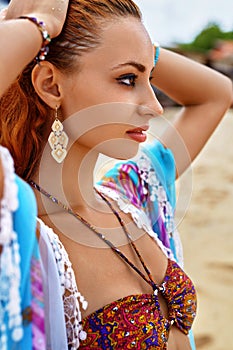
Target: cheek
point(80, 96)
point(91, 92)
point(98, 135)
point(109, 140)
point(77, 102)
point(99, 123)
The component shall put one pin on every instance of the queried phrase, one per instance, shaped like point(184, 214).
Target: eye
point(128, 79)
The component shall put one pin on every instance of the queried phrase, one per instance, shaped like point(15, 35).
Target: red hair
point(25, 120)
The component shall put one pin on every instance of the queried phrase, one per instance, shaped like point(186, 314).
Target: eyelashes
point(127, 79)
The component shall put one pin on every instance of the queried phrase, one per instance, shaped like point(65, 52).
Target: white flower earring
point(58, 140)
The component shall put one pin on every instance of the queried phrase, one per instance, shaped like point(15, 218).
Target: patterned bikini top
point(136, 321)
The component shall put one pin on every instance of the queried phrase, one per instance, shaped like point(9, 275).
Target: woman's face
point(110, 94)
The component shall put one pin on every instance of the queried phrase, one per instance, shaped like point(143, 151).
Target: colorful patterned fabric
point(136, 321)
point(31, 334)
point(148, 183)
point(31, 278)
point(37, 307)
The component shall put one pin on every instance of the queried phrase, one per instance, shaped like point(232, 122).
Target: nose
point(150, 105)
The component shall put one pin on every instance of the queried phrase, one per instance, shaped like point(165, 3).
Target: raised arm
point(205, 96)
point(21, 38)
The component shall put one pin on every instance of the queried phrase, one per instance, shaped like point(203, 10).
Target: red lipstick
point(138, 134)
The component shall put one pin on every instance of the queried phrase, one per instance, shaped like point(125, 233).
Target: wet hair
point(25, 120)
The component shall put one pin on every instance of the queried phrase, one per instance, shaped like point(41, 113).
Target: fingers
point(51, 12)
point(3, 13)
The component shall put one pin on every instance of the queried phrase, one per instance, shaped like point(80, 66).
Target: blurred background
point(203, 30)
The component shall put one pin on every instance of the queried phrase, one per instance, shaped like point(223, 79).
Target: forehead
point(122, 40)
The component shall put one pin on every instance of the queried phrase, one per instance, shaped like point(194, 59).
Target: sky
point(170, 21)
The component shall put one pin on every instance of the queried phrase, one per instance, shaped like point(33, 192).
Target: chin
point(120, 149)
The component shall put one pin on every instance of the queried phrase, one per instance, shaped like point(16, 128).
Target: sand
point(207, 236)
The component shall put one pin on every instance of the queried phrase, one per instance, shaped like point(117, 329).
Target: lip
point(137, 134)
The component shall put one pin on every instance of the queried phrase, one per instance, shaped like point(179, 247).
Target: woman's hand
point(51, 12)
point(21, 39)
point(3, 14)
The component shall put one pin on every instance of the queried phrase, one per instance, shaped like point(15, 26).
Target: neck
point(71, 182)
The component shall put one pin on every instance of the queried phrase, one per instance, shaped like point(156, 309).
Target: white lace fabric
point(158, 193)
point(67, 296)
point(9, 202)
point(10, 301)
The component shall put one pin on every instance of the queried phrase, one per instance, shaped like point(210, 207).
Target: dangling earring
point(58, 140)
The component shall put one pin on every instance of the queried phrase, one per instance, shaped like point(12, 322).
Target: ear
point(46, 81)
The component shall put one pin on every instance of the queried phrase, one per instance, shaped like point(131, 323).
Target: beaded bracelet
point(157, 53)
point(45, 37)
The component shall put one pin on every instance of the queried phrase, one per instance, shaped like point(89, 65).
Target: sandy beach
point(207, 236)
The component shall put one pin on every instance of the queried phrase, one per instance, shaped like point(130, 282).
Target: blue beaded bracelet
point(157, 52)
point(45, 37)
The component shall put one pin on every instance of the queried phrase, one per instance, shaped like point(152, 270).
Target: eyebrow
point(136, 65)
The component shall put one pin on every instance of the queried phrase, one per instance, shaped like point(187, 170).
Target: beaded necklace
point(148, 279)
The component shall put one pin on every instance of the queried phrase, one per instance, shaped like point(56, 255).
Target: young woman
point(96, 79)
